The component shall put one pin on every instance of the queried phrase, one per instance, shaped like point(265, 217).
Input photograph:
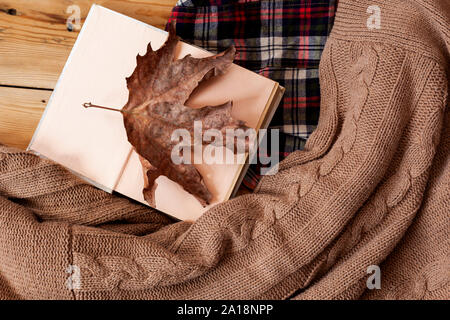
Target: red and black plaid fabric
point(282, 40)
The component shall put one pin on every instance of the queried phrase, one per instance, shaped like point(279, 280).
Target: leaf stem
point(90, 105)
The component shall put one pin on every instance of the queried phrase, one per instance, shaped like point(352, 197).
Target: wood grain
point(20, 112)
point(35, 41)
point(34, 45)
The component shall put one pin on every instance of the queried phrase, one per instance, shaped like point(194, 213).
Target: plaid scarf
point(282, 40)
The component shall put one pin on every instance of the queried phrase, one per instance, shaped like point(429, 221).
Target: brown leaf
point(158, 90)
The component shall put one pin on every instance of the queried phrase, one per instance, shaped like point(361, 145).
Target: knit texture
point(370, 188)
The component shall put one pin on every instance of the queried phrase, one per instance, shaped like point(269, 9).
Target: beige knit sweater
point(371, 188)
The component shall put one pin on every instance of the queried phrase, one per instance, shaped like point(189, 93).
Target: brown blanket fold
point(371, 188)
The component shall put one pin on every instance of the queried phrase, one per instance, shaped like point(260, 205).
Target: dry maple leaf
point(158, 90)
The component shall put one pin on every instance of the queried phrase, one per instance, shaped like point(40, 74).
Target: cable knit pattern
point(370, 188)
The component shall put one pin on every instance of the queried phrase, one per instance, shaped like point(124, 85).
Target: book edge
point(269, 111)
point(79, 175)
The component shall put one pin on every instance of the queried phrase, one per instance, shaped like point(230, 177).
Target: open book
point(93, 143)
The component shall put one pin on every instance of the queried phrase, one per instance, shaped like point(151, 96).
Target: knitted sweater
point(370, 188)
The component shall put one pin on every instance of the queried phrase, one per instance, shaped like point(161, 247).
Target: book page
point(93, 142)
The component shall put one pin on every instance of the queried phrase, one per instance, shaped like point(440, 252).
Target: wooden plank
point(20, 112)
point(35, 41)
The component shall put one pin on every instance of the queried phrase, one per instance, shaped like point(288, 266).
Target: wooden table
point(35, 41)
